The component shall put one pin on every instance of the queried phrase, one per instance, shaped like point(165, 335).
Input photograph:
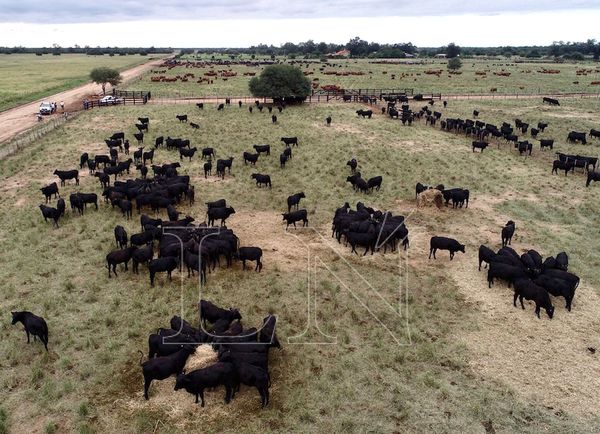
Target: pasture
point(458, 356)
point(476, 76)
point(27, 77)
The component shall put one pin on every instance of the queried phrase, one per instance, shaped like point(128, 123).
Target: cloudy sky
point(241, 23)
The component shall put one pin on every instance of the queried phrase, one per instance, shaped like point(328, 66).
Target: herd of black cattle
point(243, 354)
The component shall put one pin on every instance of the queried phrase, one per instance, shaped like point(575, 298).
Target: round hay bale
point(430, 197)
point(203, 356)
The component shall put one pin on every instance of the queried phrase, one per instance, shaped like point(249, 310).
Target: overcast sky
point(241, 23)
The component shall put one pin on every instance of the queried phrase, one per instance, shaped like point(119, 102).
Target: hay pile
point(203, 356)
point(429, 197)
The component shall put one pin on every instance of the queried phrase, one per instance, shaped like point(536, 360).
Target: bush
point(280, 82)
point(454, 64)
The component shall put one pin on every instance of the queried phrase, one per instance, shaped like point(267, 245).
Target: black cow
point(161, 368)
point(220, 107)
point(33, 324)
point(142, 255)
point(479, 145)
point(507, 233)
point(525, 288)
point(216, 204)
point(219, 214)
point(252, 158)
point(148, 156)
point(558, 288)
point(262, 148)
point(550, 101)
point(486, 255)
point(575, 137)
point(261, 179)
point(365, 113)
point(592, 176)
point(546, 143)
point(121, 237)
point(374, 183)
point(166, 264)
point(182, 118)
point(250, 254)
point(294, 200)
point(142, 127)
point(295, 216)
point(49, 212)
point(117, 136)
point(139, 137)
point(225, 163)
point(499, 270)
point(524, 147)
point(353, 164)
point(594, 134)
point(144, 120)
point(194, 125)
point(200, 105)
point(290, 141)
point(83, 159)
point(159, 141)
point(210, 377)
point(562, 165)
point(67, 174)
point(283, 159)
point(328, 120)
point(212, 313)
point(443, 243)
point(254, 376)
point(208, 152)
point(273, 119)
point(49, 190)
point(183, 152)
point(207, 169)
point(121, 256)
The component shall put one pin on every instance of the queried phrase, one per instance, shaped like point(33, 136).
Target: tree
point(280, 81)
point(452, 50)
point(454, 64)
point(104, 75)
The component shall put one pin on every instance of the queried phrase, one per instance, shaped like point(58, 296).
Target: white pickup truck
point(45, 108)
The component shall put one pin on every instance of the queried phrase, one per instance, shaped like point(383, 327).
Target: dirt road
point(19, 119)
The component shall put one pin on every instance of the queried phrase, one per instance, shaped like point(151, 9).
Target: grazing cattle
point(546, 143)
point(60, 206)
point(562, 261)
point(226, 163)
point(575, 137)
point(159, 141)
point(207, 169)
point(252, 158)
point(261, 179)
point(49, 190)
point(499, 270)
point(525, 288)
point(172, 213)
point(67, 174)
point(102, 159)
point(550, 101)
point(219, 214)
point(475, 113)
point(76, 203)
point(570, 278)
point(167, 342)
point(558, 288)
point(443, 243)
point(542, 126)
point(507, 233)
point(212, 313)
point(295, 216)
point(144, 120)
point(220, 107)
point(253, 376)
point(113, 143)
point(139, 137)
point(121, 256)
point(193, 263)
point(562, 165)
point(262, 148)
point(274, 118)
point(353, 164)
point(126, 208)
point(294, 200)
point(534, 132)
point(91, 166)
point(114, 154)
point(209, 153)
point(142, 127)
point(486, 255)
point(524, 147)
point(103, 178)
point(91, 198)
point(126, 146)
point(365, 113)
point(49, 212)
point(328, 120)
point(145, 221)
point(33, 324)
point(200, 105)
point(161, 368)
point(594, 134)
point(250, 254)
point(148, 156)
point(181, 118)
point(137, 155)
point(121, 237)
point(194, 126)
point(210, 377)
point(288, 141)
point(592, 176)
point(183, 152)
point(250, 108)
point(459, 197)
point(374, 183)
point(161, 265)
point(143, 170)
point(143, 238)
point(479, 145)
point(283, 159)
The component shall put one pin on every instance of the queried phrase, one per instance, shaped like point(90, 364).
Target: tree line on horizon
point(357, 47)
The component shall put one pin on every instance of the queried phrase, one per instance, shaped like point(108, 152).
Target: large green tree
point(452, 50)
point(104, 75)
point(280, 81)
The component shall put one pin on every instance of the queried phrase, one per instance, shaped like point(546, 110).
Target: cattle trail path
point(23, 117)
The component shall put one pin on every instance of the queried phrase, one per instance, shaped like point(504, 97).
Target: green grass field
point(468, 361)
point(27, 77)
point(524, 77)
